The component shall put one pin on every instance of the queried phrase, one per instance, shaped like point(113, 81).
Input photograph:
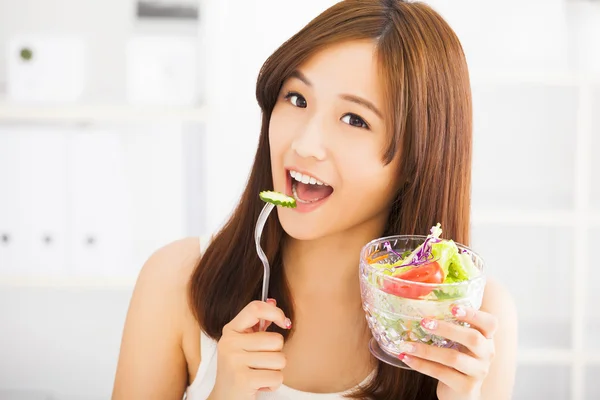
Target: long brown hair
point(428, 106)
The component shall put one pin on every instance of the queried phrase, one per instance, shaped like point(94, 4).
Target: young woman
point(369, 106)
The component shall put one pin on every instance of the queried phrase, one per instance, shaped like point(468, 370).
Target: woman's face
point(327, 136)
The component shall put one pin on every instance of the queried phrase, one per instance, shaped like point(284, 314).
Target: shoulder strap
point(204, 242)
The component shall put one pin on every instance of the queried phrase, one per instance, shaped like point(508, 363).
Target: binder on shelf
point(162, 71)
point(33, 175)
point(101, 206)
point(43, 201)
point(156, 174)
point(11, 238)
point(89, 203)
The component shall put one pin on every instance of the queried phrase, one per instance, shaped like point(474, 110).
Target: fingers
point(458, 382)
point(253, 313)
point(264, 379)
point(266, 360)
point(449, 357)
point(268, 323)
point(250, 360)
point(484, 322)
point(261, 341)
point(471, 338)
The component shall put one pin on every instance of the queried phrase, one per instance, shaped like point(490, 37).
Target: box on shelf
point(46, 69)
point(162, 70)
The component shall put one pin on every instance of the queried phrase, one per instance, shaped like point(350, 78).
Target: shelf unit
point(555, 356)
point(65, 282)
point(581, 218)
point(491, 77)
point(14, 113)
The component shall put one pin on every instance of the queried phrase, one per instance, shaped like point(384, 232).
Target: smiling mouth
point(307, 189)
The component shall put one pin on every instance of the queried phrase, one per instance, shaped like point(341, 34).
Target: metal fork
point(260, 224)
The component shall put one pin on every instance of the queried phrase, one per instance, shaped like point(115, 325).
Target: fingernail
point(429, 324)
point(404, 357)
point(458, 311)
point(407, 347)
point(288, 323)
point(272, 301)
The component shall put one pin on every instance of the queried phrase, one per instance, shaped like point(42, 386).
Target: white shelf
point(98, 113)
point(557, 357)
point(533, 77)
point(594, 219)
point(67, 282)
point(523, 217)
point(545, 356)
point(593, 359)
point(535, 218)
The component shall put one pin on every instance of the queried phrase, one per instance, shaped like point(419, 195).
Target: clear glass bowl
point(395, 307)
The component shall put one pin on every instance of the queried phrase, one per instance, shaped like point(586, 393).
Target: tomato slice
point(428, 273)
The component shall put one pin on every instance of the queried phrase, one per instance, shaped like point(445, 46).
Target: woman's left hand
point(460, 373)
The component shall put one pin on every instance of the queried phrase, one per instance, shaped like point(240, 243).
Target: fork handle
point(260, 224)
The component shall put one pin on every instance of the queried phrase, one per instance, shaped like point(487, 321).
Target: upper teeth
point(306, 178)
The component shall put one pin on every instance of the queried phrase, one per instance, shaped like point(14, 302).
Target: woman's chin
point(301, 227)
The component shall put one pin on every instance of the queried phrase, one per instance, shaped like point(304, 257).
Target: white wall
point(59, 342)
point(254, 30)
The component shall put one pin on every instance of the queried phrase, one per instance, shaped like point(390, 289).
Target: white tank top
point(207, 373)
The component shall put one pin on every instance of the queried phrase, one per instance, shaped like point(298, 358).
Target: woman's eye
point(354, 120)
point(296, 99)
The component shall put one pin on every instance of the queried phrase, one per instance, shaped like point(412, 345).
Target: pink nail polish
point(429, 324)
point(402, 356)
point(458, 311)
point(288, 323)
point(272, 301)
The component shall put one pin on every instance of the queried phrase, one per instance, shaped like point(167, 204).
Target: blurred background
point(126, 124)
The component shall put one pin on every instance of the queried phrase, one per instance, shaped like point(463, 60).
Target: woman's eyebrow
point(363, 102)
point(299, 75)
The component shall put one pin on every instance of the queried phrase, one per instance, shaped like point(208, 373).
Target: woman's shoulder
point(498, 299)
point(171, 266)
point(159, 324)
point(165, 275)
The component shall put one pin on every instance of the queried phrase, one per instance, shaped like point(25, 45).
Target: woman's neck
point(328, 317)
point(328, 267)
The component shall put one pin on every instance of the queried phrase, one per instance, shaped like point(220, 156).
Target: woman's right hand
point(250, 361)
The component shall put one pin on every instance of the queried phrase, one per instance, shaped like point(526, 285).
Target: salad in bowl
point(406, 278)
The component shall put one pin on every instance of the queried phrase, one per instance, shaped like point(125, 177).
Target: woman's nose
point(309, 143)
